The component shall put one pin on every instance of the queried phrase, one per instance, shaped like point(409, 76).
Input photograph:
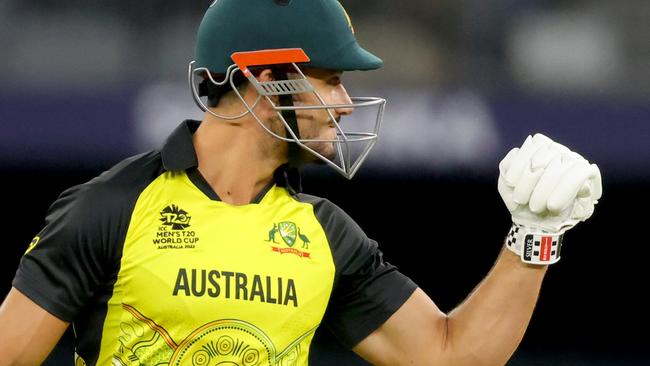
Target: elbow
point(457, 352)
point(445, 334)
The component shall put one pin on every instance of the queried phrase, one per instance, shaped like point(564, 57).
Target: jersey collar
point(178, 154)
point(178, 151)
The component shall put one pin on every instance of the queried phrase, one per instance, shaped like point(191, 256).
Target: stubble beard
point(326, 149)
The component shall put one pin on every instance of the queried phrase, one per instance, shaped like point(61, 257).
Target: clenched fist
point(548, 189)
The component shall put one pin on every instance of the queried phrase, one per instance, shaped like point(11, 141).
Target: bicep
point(414, 335)
point(28, 332)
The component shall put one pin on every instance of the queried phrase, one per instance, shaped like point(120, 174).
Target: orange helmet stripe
point(268, 57)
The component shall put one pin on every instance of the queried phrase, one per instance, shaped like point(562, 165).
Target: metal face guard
point(344, 163)
point(195, 93)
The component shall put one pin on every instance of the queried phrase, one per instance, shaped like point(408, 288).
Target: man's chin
point(310, 158)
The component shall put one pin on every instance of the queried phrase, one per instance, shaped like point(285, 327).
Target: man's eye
point(335, 81)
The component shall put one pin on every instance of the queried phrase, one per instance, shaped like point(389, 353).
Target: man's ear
point(265, 76)
point(250, 93)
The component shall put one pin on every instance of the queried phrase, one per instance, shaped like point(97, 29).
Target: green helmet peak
point(322, 28)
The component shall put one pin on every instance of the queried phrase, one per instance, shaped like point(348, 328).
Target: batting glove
point(548, 189)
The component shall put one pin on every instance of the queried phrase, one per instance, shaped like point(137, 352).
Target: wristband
point(534, 246)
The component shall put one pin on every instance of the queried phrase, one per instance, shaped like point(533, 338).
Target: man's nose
point(341, 97)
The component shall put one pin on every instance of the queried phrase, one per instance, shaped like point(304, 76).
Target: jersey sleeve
point(71, 257)
point(367, 289)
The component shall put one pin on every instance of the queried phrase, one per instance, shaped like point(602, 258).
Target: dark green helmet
point(322, 28)
point(236, 34)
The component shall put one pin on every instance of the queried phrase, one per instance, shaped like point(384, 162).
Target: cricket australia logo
point(175, 217)
point(290, 233)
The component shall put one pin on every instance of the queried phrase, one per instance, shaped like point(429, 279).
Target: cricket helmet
point(237, 34)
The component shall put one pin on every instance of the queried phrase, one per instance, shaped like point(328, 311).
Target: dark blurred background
point(84, 84)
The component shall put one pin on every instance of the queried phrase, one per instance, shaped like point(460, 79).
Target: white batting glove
point(548, 189)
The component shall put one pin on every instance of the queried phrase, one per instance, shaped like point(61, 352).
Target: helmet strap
point(286, 100)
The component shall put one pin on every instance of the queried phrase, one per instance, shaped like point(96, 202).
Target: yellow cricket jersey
point(151, 268)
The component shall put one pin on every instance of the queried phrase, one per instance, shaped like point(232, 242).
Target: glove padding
point(548, 189)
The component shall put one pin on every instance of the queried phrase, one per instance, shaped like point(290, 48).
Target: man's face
point(317, 123)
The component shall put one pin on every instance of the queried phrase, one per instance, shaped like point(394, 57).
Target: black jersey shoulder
point(78, 251)
point(367, 290)
point(112, 193)
point(344, 235)
point(72, 268)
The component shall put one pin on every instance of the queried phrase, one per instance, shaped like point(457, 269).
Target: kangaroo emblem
point(272, 233)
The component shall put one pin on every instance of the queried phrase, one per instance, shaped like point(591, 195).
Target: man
point(197, 253)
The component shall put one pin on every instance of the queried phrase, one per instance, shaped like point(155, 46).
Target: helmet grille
point(283, 87)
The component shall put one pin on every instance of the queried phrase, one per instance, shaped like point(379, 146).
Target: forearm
point(547, 189)
point(489, 325)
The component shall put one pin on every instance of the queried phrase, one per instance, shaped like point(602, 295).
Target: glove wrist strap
point(534, 245)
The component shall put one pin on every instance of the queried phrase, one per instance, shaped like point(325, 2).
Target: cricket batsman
point(206, 251)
